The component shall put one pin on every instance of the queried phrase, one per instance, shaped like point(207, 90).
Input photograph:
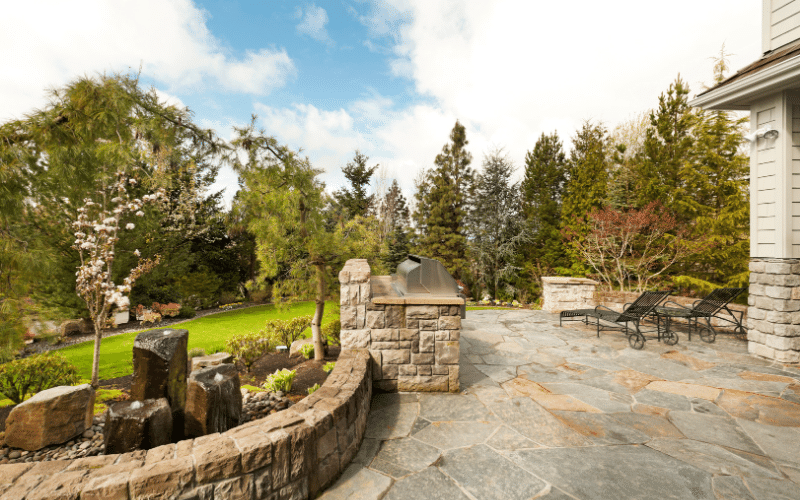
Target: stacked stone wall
point(414, 347)
point(774, 312)
point(562, 294)
point(293, 454)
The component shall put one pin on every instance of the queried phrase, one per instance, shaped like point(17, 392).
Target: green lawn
point(209, 333)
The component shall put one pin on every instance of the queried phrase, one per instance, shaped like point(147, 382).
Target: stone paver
point(556, 413)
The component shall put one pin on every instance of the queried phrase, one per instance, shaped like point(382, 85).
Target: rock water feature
point(159, 371)
point(213, 400)
point(138, 425)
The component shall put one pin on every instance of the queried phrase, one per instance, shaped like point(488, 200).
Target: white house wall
point(781, 23)
point(764, 182)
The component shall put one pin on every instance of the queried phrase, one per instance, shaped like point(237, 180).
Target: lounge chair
point(634, 312)
point(714, 305)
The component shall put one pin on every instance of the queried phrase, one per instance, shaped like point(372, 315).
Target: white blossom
point(139, 213)
point(129, 226)
point(137, 253)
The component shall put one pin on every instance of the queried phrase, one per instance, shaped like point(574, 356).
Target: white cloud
point(169, 39)
point(313, 24)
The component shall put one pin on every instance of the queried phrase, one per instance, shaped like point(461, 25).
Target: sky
point(389, 78)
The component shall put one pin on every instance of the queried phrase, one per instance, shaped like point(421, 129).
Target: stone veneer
point(561, 294)
point(413, 340)
point(293, 454)
point(773, 318)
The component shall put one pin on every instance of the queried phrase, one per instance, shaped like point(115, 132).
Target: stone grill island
point(410, 322)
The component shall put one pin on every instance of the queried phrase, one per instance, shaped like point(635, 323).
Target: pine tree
point(442, 202)
point(394, 227)
point(542, 190)
point(667, 149)
point(587, 173)
point(354, 201)
point(497, 230)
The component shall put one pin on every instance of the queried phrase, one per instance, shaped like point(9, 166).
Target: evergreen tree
point(587, 173)
point(394, 225)
point(497, 229)
point(354, 201)
point(667, 150)
point(442, 202)
point(542, 190)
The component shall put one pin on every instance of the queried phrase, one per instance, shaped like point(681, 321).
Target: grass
point(209, 333)
point(103, 395)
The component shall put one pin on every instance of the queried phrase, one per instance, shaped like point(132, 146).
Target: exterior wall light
point(762, 133)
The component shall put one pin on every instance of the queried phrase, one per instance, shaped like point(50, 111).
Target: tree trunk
point(98, 336)
point(316, 323)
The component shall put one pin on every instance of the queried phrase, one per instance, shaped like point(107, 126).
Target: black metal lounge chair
point(634, 312)
point(714, 305)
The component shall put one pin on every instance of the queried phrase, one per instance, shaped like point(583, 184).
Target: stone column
point(773, 318)
point(356, 291)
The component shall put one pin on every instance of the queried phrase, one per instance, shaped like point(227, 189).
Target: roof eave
point(740, 94)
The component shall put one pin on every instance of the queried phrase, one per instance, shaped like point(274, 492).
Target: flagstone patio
point(556, 413)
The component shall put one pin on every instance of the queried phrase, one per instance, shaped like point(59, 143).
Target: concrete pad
point(731, 488)
point(616, 472)
point(392, 421)
point(486, 474)
point(537, 424)
point(598, 398)
point(358, 483)
point(439, 407)
point(779, 443)
point(449, 435)
point(758, 408)
point(506, 439)
point(683, 389)
point(774, 489)
point(602, 429)
point(430, 483)
point(407, 453)
point(710, 458)
point(715, 430)
point(652, 425)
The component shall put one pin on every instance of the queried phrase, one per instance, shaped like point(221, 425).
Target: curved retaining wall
point(292, 454)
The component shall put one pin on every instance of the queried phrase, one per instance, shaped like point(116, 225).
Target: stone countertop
point(383, 293)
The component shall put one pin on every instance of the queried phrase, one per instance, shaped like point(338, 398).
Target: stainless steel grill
point(421, 276)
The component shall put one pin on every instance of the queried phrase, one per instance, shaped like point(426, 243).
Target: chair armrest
point(695, 302)
point(604, 307)
point(676, 304)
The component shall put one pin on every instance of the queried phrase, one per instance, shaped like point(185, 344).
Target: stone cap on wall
point(566, 280)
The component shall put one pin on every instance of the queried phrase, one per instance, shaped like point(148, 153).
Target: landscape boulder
point(137, 425)
point(76, 327)
point(213, 400)
point(53, 416)
point(160, 360)
point(211, 360)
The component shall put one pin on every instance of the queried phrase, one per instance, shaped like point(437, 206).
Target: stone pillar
point(562, 293)
point(773, 318)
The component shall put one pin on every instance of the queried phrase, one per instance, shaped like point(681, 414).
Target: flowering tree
point(630, 248)
point(96, 234)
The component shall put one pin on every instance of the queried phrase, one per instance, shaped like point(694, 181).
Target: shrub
point(281, 380)
point(227, 298)
point(332, 331)
point(259, 296)
point(186, 311)
point(248, 347)
point(151, 318)
point(329, 366)
point(170, 310)
point(313, 389)
point(307, 350)
point(35, 374)
point(283, 332)
point(196, 351)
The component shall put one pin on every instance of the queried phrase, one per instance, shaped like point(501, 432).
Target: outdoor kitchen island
point(410, 322)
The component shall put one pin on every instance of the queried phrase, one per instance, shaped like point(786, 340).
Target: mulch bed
point(309, 372)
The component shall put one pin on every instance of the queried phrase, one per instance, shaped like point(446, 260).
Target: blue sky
point(389, 78)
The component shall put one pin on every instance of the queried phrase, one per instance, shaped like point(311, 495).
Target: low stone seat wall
point(562, 294)
point(293, 454)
